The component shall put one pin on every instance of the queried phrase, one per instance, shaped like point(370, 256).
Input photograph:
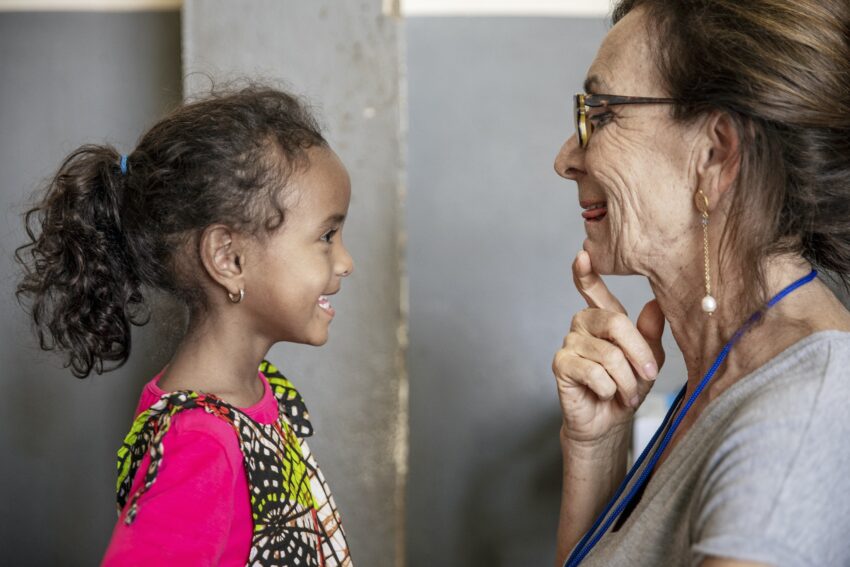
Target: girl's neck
point(701, 337)
point(217, 357)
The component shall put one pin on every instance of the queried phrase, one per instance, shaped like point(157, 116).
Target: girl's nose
point(345, 264)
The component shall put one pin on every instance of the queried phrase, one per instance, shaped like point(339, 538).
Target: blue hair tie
point(123, 164)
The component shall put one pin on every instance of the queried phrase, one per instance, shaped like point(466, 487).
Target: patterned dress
point(296, 522)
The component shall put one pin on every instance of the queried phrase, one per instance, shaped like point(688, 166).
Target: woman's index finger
point(591, 287)
point(618, 329)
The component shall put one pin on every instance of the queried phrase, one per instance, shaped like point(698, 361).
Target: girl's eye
point(328, 236)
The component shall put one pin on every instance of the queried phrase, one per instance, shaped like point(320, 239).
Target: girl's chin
point(311, 337)
point(318, 337)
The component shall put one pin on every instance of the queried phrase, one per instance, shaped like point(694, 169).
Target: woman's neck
point(701, 337)
point(218, 357)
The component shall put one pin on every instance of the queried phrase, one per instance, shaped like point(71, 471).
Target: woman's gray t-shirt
point(763, 475)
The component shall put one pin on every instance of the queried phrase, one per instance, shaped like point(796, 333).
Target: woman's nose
point(569, 163)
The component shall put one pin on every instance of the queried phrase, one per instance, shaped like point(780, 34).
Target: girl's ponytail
point(79, 278)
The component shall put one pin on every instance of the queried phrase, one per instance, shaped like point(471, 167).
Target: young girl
point(234, 205)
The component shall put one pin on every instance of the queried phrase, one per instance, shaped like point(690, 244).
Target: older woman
point(712, 156)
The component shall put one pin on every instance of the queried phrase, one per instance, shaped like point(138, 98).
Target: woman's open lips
point(594, 212)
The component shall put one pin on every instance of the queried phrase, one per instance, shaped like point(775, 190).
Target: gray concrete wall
point(65, 80)
point(492, 232)
point(341, 54)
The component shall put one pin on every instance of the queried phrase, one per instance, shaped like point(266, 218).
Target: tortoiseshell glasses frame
point(583, 103)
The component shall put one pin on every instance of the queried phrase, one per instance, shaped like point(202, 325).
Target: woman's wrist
point(615, 442)
point(592, 471)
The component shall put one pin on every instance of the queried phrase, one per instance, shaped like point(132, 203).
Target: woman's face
point(637, 164)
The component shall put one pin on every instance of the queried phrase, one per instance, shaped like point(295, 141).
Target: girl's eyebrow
point(337, 218)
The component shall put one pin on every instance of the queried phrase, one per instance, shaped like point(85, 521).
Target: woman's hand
point(607, 364)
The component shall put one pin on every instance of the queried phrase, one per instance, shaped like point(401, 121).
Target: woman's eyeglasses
point(583, 103)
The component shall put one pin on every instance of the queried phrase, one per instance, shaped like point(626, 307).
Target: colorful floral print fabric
point(296, 522)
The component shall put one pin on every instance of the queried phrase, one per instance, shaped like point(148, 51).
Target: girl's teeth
point(324, 303)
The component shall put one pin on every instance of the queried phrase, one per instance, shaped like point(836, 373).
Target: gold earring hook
point(701, 200)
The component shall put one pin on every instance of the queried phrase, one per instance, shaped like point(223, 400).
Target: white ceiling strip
point(575, 8)
point(88, 5)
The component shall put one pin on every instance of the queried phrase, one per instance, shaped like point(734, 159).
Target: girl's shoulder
point(153, 400)
point(190, 412)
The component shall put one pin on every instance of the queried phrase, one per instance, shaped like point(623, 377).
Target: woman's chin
point(600, 257)
point(604, 261)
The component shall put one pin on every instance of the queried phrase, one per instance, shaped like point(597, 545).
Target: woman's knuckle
point(564, 365)
point(557, 361)
point(613, 357)
point(580, 320)
point(608, 389)
point(619, 324)
point(598, 374)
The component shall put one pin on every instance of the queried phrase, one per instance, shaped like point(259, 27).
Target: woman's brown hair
point(781, 70)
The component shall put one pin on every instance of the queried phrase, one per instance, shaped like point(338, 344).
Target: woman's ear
point(222, 255)
point(720, 158)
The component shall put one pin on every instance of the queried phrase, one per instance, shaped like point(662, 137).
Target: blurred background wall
point(492, 231)
point(68, 79)
point(449, 127)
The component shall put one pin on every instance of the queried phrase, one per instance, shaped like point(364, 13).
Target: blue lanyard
point(592, 537)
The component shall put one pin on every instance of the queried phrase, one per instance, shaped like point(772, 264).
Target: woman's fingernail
point(651, 370)
point(635, 402)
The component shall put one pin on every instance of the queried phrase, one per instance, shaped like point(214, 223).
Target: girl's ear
point(222, 256)
point(720, 158)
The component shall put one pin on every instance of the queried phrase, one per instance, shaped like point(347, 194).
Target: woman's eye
point(600, 119)
point(328, 236)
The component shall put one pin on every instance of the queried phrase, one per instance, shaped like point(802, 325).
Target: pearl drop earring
point(709, 304)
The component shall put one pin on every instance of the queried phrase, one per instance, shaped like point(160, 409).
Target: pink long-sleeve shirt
point(197, 512)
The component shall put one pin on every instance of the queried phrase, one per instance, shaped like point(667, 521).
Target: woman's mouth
point(594, 212)
point(325, 305)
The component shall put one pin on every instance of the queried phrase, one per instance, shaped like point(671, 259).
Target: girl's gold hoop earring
point(236, 298)
point(709, 304)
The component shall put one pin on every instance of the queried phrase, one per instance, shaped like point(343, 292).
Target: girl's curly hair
point(98, 237)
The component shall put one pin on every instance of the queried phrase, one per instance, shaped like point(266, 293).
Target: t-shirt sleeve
point(776, 489)
point(185, 516)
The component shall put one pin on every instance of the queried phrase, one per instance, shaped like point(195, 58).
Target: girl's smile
point(325, 305)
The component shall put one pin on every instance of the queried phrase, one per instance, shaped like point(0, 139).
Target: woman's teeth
point(324, 303)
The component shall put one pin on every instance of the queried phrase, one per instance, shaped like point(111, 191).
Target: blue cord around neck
point(604, 521)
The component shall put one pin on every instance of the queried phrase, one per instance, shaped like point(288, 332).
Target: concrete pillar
point(343, 55)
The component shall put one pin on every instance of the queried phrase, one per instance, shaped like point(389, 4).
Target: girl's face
point(296, 269)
